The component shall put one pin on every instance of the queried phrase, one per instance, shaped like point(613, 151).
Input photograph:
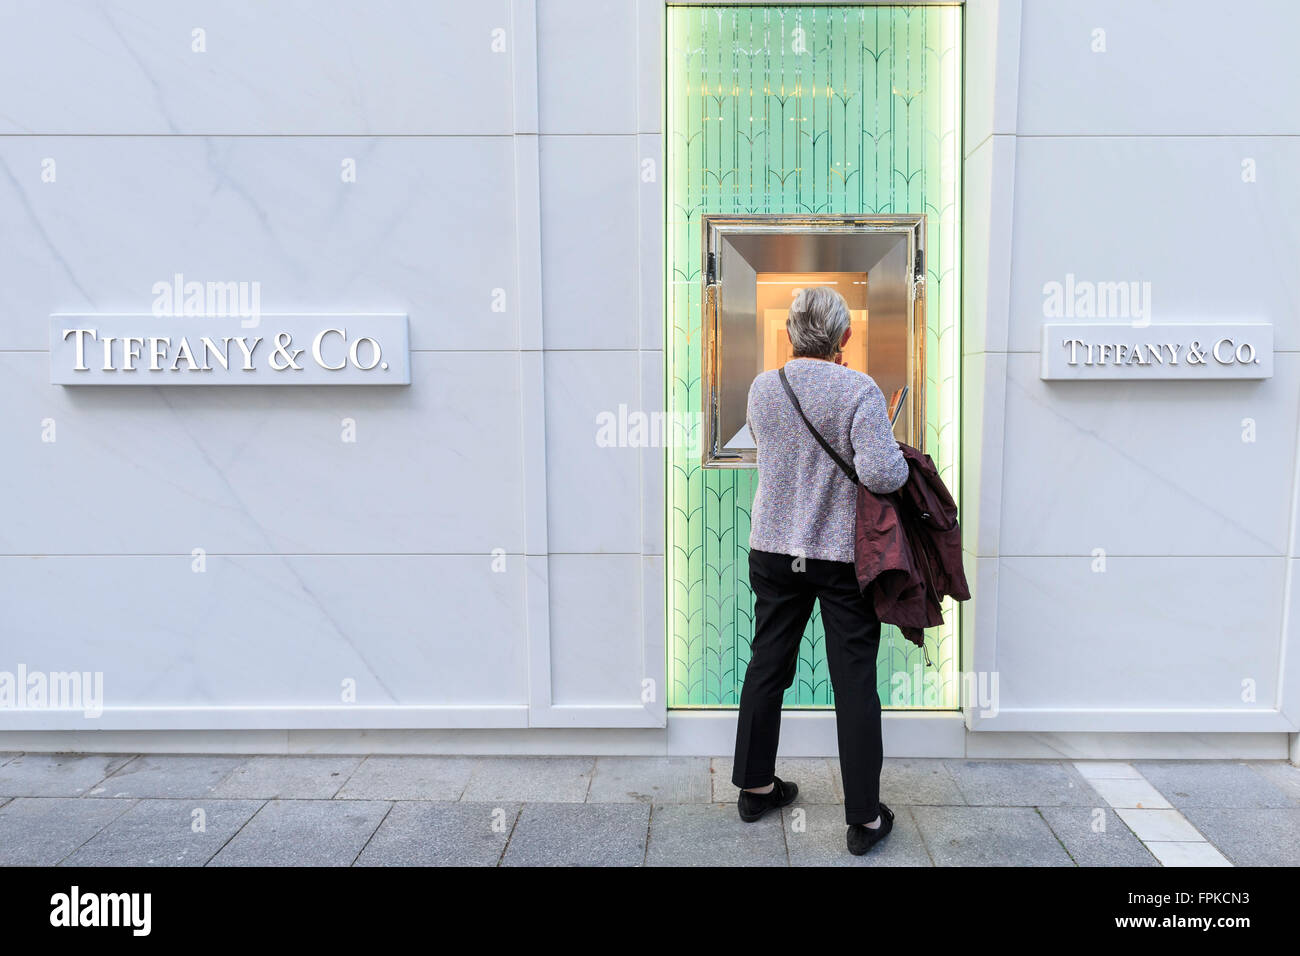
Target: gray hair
point(818, 320)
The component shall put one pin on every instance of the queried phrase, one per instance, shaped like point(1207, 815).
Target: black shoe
point(754, 805)
point(862, 837)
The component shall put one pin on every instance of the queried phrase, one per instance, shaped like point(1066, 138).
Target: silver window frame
point(714, 227)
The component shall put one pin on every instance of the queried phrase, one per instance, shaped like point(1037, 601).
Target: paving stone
point(1285, 776)
point(176, 776)
point(162, 833)
point(712, 834)
point(41, 825)
point(1269, 837)
point(989, 836)
point(816, 780)
point(530, 780)
point(652, 779)
point(1022, 783)
point(1106, 770)
point(441, 834)
point(1130, 794)
point(914, 782)
point(1188, 854)
point(409, 778)
point(304, 833)
point(1214, 783)
point(591, 834)
point(57, 775)
point(818, 839)
point(1114, 846)
point(1155, 825)
point(308, 777)
point(41, 831)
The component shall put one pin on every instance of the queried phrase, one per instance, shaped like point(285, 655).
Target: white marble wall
point(1126, 165)
point(519, 174)
point(490, 169)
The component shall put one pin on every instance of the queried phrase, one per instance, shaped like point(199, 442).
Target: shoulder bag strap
point(844, 466)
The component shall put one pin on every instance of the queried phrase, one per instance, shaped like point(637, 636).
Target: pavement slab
point(1022, 783)
point(712, 834)
point(166, 833)
point(175, 776)
point(530, 779)
point(41, 831)
point(1097, 836)
point(569, 834)
point(1285, 776)
point(408, 778)
point(916, 782)
point(57, 775)
point(989, 836)
point(304, 833)
point(651, 779)
point(1216, 783)
point(441, 834)
point(306, 777)
point(1268, 837)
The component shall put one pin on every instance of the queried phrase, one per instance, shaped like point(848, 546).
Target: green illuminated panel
point(801, 110)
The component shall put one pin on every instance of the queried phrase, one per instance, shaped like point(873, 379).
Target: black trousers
point(784, 589)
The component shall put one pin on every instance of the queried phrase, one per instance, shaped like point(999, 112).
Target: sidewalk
point(164, 810)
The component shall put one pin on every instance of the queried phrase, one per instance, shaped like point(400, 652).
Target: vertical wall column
point(532, 386)
point(1123, 581)
point(989, 166)
point(591, 347)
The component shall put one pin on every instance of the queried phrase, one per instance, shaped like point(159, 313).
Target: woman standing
point(801, 550)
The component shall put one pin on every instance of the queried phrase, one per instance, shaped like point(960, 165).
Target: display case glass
point(753, 268)
point(799, 111)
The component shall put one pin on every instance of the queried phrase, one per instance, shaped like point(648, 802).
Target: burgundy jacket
point(907, 549)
